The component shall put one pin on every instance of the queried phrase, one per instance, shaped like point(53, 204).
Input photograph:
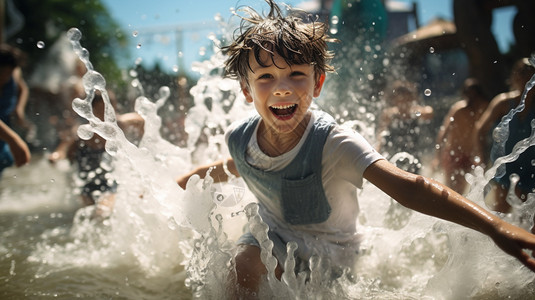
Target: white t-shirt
point(346, 154)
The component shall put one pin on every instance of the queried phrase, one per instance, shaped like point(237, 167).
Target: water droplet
point(431, 50)
point(93, 79)
point(175, 68)
point(135, 83)
point(135, 33)
point(40, 44)
point(138, 45)
point(335, 20)
point(427, 92)
point(85, 132)
point(52, 180)
point(74, 34)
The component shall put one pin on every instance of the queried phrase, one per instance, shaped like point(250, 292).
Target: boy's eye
point(265, 76)
point(297, 73)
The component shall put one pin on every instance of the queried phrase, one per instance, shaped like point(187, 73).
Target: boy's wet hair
point(296, 41)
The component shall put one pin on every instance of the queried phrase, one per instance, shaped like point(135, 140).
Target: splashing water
point(523, 211)
point(165, 242)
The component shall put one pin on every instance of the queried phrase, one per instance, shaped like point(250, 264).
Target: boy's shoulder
point(240, 125)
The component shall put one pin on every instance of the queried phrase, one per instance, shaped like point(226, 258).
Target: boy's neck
point(274, 143)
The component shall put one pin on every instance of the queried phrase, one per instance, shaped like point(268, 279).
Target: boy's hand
point(515, 241)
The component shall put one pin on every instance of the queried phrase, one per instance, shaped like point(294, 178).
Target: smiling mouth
point(283, 111)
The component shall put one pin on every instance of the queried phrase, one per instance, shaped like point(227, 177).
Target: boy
point(303, 168)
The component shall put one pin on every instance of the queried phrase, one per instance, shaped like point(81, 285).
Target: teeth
point(283, 106)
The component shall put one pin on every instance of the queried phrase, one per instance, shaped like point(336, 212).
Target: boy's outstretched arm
point(218, 173)
point(433, 198)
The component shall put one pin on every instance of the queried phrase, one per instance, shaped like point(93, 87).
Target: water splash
point(147, 197)
point(522, 210)
point(501, 132)
point(160, 236)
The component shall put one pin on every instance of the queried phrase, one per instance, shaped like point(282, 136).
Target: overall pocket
point(303, 201)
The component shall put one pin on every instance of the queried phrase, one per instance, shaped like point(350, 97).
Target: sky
point(153, 37)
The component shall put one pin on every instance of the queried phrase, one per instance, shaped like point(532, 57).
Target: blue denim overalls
point(297, 188)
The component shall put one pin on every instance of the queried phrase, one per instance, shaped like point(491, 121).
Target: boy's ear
point(319, 85)
point(245, 90)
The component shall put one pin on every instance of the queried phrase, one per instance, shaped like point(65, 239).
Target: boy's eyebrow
point(258, 66)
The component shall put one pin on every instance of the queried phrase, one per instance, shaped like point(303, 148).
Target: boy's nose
point(282, 90)
point(283, 93)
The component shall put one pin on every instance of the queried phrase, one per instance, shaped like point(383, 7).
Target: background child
point(304, 169)
point(455, 154)
point(399, 127)
point(93, 163)
point(13, 98)
point(13, 148)
point(519, 128)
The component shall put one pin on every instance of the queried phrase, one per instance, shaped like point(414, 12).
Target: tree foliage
point(45, 21)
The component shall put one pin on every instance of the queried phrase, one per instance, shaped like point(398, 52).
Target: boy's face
point(281, 93)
